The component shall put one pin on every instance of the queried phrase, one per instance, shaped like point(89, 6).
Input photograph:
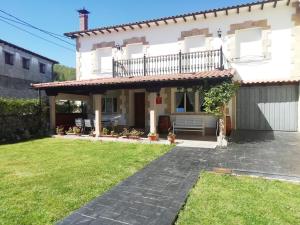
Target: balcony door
point(139, 109)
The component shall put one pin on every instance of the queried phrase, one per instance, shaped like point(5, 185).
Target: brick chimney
point(83, 19)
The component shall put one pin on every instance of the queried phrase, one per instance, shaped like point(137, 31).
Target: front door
point(139, 109)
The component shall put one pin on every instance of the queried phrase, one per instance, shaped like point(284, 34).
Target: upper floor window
point(134, 51)
point(25, 63)
point(9, 58)
point(109, 105)
point(103, 63)
point(249, 43)
point(194, 43)
point(42, 68)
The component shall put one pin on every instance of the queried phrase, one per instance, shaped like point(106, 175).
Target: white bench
point(189, 123)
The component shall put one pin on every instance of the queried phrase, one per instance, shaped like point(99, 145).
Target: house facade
point(139, 71)
point(19, 68)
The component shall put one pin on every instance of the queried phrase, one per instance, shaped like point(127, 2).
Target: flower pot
point(152, 138)
point(171, 139)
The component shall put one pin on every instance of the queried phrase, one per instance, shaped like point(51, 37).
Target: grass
point(42, 181)
point(224, 199)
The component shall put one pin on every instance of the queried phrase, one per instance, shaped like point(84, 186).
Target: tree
point(63, 73)
point(215, 101)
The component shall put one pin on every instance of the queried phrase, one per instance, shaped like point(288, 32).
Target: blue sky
point(60, 16)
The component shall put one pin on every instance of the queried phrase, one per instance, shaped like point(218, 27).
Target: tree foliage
point(62, 73)
point(217, 96)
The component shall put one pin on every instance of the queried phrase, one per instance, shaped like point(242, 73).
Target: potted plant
point(136, 134)
point(171, 137)
point(77, 130)
point(70, 131)
point(92, 133)
point(105, 131)
point(60, 130)
point(152, 136)
point(125, 133)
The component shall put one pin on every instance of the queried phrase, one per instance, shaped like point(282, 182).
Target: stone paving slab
point(152, 196)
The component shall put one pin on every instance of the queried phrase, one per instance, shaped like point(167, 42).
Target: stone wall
point(16, 88)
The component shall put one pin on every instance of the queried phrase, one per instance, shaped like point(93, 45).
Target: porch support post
point(52, 100)
point(153, 121)
point(98, 114)
point(152, 112)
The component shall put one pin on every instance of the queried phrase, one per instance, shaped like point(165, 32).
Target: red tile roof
point(228, 73)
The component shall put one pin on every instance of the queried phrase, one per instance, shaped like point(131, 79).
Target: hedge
point(22, 119)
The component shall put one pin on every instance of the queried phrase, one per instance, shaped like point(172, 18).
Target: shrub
point(22, 119)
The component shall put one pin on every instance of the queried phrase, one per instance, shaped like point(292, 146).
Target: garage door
point(268, 108)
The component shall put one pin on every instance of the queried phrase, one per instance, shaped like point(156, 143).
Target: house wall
point(275, 60)
point(15, 80)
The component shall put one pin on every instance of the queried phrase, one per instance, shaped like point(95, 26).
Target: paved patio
point(156, 194)
point(153, 195)
point(262, 153)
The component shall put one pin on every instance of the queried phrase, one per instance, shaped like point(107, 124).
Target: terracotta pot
point(171, 139)
point(152, 138)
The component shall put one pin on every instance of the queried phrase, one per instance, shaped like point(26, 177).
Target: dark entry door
point(139, 109)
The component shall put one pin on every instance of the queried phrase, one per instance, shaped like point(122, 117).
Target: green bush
point(22, 119)
point(12, 106)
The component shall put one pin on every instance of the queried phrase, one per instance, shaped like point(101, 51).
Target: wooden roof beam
point(157, 24)
point(184, 18)
point(123, 28)
point(87, 33)
point(238, 10)
point(132, 28)
point(275, 4)
point(204, 15)
point(140, 26)
point(249, 9)
point(166, 22)
point(148, 25)
point(262, 5)
point(194, 17)
point(215, 13)
point(288, 2)
point(101, 31)
point(108, 30)
point(116, 29)
point(226, 12)
point(174, 19)
point(94, 32)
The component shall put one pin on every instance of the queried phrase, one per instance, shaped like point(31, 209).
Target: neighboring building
point(136, 71)
point(19, 68)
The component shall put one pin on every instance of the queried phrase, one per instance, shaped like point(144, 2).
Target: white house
point(137, 71)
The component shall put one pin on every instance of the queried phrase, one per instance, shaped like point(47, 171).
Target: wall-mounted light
point(118, 47)
point(219, 33)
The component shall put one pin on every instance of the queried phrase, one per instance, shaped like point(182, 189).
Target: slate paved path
point(152, 196)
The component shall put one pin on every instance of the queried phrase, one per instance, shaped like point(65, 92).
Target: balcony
point(169, 64)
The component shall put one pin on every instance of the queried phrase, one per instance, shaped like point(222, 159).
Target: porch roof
point(150, 83)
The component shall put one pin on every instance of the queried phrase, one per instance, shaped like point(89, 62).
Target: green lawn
point(224, 199)
point(42, 181)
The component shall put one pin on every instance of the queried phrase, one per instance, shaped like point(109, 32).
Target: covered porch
point(147, 103)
